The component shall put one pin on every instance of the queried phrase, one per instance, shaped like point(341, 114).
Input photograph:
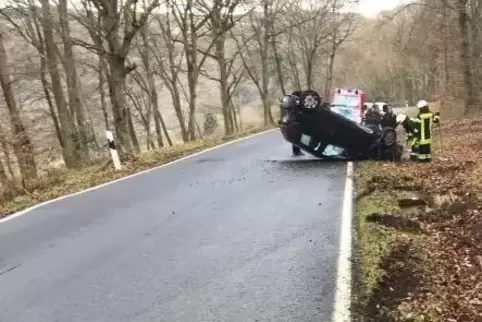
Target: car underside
point(329, 135)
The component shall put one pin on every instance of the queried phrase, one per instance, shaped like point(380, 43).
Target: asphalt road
point(243, 233)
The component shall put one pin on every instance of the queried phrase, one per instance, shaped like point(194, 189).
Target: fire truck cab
point(348, 102)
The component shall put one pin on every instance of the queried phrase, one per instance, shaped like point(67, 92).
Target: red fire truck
point(348, 102)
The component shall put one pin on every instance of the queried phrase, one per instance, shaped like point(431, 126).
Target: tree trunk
point(153, 96)
point(158, 127)
point(264, 66)
point(6, 153)
point(66, 123)
point(103, 103)
point(3, 172)
point(39, 43)
point(132, 132)
point(446, 41)
point(293, 64)
point(309, 70)
point(465, 55)
point(223, 83)
point(48, 97)
point(73, 89)
point(160, 118)
point(279, 69)
point(192, 77)
point(234, 118)
point(176, 102)
point(329, 77)
point(117, 85)
point(22, 145)
point(240, 118)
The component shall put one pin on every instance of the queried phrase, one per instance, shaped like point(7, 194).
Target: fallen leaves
point(449, 261)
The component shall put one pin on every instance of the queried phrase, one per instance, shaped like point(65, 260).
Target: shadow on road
point(304, 164)
point(303, 160)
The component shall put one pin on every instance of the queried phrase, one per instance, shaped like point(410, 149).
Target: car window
point(346, 100)
point(333, 151)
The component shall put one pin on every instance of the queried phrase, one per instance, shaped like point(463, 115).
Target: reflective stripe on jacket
point(426, 122)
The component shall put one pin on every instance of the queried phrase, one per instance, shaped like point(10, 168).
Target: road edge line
point(29, 209)
point(342, 300)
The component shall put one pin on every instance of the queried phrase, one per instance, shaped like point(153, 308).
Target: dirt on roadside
point(431, 267)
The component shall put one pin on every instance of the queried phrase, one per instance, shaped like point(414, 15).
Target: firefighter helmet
point(422, 104)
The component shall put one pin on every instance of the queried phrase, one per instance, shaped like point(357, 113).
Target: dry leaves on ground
point(451, 223)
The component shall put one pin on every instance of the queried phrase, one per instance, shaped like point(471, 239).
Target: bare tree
point(84, 135)
point(255, 42)
point(151, 90)
point(143, 107)
point(168, 65)
point(312, 37)
point(21, 140)
point(4, 149)
point(119, 25)
point(27, 25)
point(191, 21)
point(254, 47)
point(221, 21)
point(342, 27)
point(67, 127)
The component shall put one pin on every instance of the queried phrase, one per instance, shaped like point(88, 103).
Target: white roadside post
point(113, 150)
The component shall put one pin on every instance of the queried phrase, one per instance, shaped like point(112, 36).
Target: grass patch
point(387, 242)
point(375, 241)
point(59, 182)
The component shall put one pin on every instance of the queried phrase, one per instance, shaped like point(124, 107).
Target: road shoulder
point(418, 236)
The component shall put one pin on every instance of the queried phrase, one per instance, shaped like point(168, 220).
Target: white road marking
point(343, 278)
point(27, 210)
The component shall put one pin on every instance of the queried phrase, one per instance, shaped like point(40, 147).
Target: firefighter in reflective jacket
point(411, 125)
point(426, 119)
point(419, 131)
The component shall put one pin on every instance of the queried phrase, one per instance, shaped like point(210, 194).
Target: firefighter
point(411, 125)
point(426, 119)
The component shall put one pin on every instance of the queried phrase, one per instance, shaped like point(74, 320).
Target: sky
point(371, 8)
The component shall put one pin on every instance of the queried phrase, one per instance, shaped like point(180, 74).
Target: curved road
point(241, 233)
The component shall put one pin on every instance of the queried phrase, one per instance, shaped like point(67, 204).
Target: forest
point(164, 73)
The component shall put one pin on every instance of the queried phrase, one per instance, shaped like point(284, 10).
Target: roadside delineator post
point(113, 150)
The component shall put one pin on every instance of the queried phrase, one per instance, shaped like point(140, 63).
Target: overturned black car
point(318, 130)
